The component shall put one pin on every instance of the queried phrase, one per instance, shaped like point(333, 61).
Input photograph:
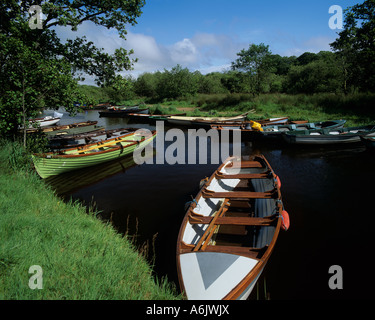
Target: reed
point(81, 257)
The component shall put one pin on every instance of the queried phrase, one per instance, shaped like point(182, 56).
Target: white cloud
point(183, 52)
point(206, 52)
point(314, 45)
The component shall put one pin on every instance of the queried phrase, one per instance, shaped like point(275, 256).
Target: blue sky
point(205, 35)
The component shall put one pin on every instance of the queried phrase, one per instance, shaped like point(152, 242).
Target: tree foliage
point(356, 46)
point(38, 70)
point(256, 63)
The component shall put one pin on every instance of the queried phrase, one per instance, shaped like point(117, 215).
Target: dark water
point(329, 195)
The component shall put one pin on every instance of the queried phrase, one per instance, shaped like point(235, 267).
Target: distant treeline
point(349, 68)
point(309, 73)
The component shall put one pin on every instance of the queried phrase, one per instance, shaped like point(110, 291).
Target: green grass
point(357, 109)
point(81, 257)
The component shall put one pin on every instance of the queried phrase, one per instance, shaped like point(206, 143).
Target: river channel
point(328, 193)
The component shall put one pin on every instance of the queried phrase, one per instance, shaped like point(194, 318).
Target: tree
point(211, 83)
point(306, 58)
point(356, 46)
point(254, 61)
point(39, 70)
point(177, 82)
point(280, 65)
point(121, 88)
point(236, 82)
point(146, 85)
point(322, 74)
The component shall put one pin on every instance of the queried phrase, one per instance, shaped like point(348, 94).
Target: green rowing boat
point(50, 164)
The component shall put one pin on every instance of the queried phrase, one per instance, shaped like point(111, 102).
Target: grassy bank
point(357, 109)
point(81, 257)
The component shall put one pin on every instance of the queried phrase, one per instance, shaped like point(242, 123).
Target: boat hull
point(74, 128)
point(273, 133)
point(337, 136)
point(43, 122)
point(202, 121)
point(210, 267)
point(77, 140)
point(321, 140)
point(369, 142)
point(53, 164)
point(121, 113)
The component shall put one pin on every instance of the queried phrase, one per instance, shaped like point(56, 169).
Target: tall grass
point(81, 257)
point(357, 109)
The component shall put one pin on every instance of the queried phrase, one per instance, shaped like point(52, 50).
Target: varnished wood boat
point(78, 140)
point(164, 117)
point(49, 164)
point(248, 125)
point(230, 230)
point(120, 113)
point(203, 121)
point(329, 136)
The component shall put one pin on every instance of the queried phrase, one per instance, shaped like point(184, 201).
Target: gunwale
point(183, 248)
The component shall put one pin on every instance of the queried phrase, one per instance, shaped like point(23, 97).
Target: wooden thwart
point(240, 194)
point(236, 221)
point(263, 175)
point(249, 252)
point(245, 164)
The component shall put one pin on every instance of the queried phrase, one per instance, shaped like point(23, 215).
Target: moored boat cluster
point(231, 227)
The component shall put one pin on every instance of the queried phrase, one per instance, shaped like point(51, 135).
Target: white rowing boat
point(230, 230)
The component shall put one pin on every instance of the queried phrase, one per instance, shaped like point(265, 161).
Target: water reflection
point(71, 181)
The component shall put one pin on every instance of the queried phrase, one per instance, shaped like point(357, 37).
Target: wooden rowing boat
point(68, 129)
point(49, 164)
point(273, 132)
point(335, 136)
point(73, 140)
point(164, 117)
point(120, 113)
point(230, 230)
point(248, 125)
point(203, 121)
point(269, 127)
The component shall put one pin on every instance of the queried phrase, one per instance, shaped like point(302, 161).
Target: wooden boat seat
point(263, 175)
point(134, 141)
point(237, 221)
point(250, 252)
point(240, 194)
point(245, 164)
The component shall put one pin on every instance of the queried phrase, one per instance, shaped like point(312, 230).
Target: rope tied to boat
point(187, 204)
